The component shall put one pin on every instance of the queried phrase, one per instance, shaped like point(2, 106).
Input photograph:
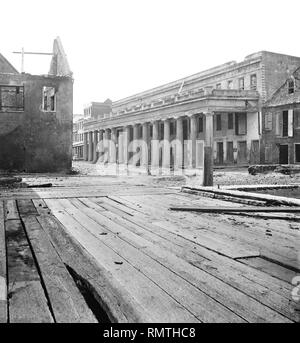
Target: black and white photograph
point(149, 164)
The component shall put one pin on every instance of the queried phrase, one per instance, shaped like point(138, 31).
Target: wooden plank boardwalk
point(138, 260)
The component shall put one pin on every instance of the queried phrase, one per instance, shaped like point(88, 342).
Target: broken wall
point(35, 140)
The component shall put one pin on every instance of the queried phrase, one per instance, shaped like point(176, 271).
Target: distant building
point(281, 127)
point(78, 137)
point(221, 109)
point(36, 116)
point(97, 110)
point(92, 112)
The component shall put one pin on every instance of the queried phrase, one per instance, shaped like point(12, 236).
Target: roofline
point(205, 73)
point(280, 87)
point(252, 58)
point(5, 59)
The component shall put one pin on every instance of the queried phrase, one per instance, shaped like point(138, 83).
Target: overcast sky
point(117, 48)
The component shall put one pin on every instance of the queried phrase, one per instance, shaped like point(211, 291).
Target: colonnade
point(152, 145)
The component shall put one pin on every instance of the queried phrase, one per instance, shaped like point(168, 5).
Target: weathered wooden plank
point(179, 243)
point(267, 289)
point(246, 227)
point(197, 302)
point(41, 206)
point(273, 247)
point(3, 271)
point(27, 301)
point(228, 209)
point(26, 207)
point(119, 305)
point(270, 268)
point(209, 240)
point(67, 303)
point(11, 210)
point(223, 293)
point(64, 192)
point(157, 305)
point(279, 200)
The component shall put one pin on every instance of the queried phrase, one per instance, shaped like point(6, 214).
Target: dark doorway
point(229, 155)
point(283, 154)
point(220, 153)
point(297, 153)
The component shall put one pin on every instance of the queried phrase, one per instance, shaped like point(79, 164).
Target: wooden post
point(208, 150)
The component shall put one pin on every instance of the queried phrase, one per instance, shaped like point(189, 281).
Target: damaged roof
point(282, 96)
point(6, 67)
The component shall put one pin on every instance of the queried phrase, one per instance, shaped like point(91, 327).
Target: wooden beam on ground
point(26, 207)
point(26, 296)
point(209, 240)
point(217, 289)
point(256, 284)
point(157, 304)
point(3, 277)
point(11, 210)
point(67, 302)
point(119, 305)
point(237, 209)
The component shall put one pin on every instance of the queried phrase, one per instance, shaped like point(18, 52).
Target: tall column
point(135, 144)
point(154, 147)
point(85, 146)
point(145, 155)
point(126, 137)
point(113, 148)
point(90, 158)
point(95, 145)
point(179, 143)
point(166, 146)
point(106, 146)
point(193, 137)
point(208, 150)
point(101, 145)
point(121, 147)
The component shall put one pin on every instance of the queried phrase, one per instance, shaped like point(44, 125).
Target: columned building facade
point(211, 117)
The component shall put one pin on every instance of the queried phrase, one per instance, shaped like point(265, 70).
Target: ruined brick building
point(221, 109)
point(36, 116)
